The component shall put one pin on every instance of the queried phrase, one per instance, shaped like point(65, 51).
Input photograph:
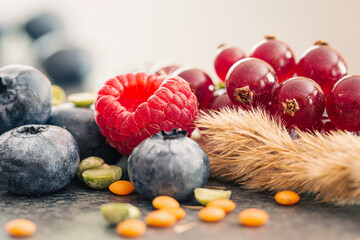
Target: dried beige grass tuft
point(254, 150)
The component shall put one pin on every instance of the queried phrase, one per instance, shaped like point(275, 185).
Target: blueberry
point(42, 24)
point(50, 43)
point(25, 97)
point(81, 124)
point(66, 63)
point(68, 66)
point(168, 163)
point(37, 159)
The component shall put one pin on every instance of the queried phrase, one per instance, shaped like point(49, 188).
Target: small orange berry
point(253, 217)
point(121, 187)
point(225, 204)
point(211, 214)
point(179, 213)
point(160, 218)
point(165, 202)
point(131, 228)
point(20, 228)
point(287, 198)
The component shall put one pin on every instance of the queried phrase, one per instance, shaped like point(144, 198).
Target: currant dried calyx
point(244, 95)
point(290, 106)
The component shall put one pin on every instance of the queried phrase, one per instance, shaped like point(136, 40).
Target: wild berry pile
point(313, 93)
point(297, 92)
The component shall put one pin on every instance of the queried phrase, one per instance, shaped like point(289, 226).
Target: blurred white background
point(121, 34)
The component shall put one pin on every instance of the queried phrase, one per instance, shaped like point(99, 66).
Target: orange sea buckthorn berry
point(287, 198)
point(225, 204)
point(160, 218)
point(165, 202)
point(20, 228)
point(211, 214)
point(131, 228)
point(253, 217)
point(179, 212)
point(121, 187)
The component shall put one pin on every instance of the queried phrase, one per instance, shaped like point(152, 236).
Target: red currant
point(225, 58)
point(324, 125)
point(220, 100)
point(323, 64)
point(299, 102)
point(200, 83)
point(278, 54)
point(164, 69)
point(250, 82)
point(343, 103)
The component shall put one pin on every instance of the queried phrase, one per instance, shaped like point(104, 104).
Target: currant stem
point(321, 43)
point(221, 45)
point(270, 37)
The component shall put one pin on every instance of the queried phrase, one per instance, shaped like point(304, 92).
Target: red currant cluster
point(298, 93)
point(270, 77)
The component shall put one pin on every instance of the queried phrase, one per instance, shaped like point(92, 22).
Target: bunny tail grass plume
point(252, 149)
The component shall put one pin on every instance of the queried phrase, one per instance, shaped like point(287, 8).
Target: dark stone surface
point(73, 213)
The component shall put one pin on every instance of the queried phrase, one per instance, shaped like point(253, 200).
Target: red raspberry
point(132, 107)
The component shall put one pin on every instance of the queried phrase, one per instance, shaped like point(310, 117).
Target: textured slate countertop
point(73, 213)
